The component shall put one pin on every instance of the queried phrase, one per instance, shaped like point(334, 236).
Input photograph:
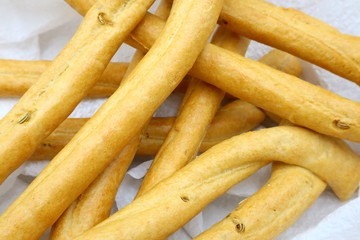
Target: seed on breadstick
point(95, 203)
point(116, 122)
point(196, 112)
point(189, 190)
point(271, 210)
point(66, 81)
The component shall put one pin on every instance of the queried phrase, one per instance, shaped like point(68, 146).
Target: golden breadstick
point(117, 121)
point(234, 118)
point(67, 81)
point(230, 120)
point(174, 201)
point(16, 77)
point(274, 208)
point(289, 97)
point(95, 203)
point(197, 110)
point(295, 32)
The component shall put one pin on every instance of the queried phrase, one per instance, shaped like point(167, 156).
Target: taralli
point(16, 77)
point(197, 110)
point(67, 81)
point(188, 191)
point(289, 97)
point(95, 203)
point(232, 119)
point(102, 138)
point(306, 37)
point(274, 208)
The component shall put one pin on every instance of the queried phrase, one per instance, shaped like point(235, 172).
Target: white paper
point(39, 29)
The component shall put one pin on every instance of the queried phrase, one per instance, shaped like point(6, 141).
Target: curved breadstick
point(116, 122)
point(174, 201)
point(197, 110)
point(95, 203)
point(232, 119)
point(295, 32)
point(16, 77)
point(274, 208)
point(289, 97)
point(67, 81)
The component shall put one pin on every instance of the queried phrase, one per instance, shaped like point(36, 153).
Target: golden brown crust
point(232, 119)
point(196, 112)
point(289, 97)
point(95, 203)
point(295, 32)
point(189, 190)
point(67, 81)
point(102, 138)
point(271, 210)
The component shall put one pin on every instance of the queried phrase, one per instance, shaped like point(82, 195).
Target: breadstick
point(295, 32)
point(232, 119)
point(117, 121)
point(67, 81)
point(289, 97)
point(190, 189)
point(274, 208)
point(197, 110)
point(95, 203)
point(16, 77)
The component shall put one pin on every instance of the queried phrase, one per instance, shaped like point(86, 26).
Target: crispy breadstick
point(67, 81)
point(231, 120)
point(295, 32)
point(197, 110)
point(95, 203)
point(174, 201)
point(117, 121)
point(234, 118)
point(289, 97)
point(16, 77)
point(274, 208)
